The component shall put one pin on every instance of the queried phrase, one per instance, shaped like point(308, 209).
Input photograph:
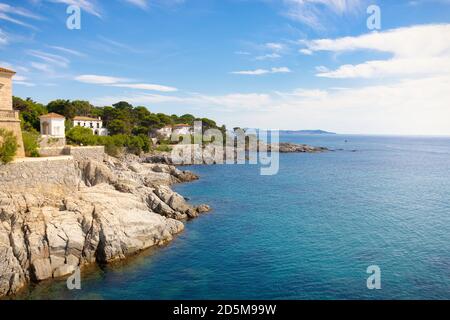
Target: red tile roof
point(52, 115)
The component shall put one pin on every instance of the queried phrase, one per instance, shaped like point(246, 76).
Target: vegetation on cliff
point(128, 126)
point(8, 146)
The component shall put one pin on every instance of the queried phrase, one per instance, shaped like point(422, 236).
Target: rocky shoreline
point(117, 208)
point(120, 208)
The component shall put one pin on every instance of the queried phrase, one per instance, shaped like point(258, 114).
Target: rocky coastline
point(108, 210)
point(119, 208)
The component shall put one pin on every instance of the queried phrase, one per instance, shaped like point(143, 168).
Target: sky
point(273, 64)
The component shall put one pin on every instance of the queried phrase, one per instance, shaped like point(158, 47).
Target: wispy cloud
point(324, 107)
point(42, 67)
point(242, 53)
point(416, 50)
point(268, 56)
point(50, 58)
point(13, 14)
point(314, 12)
point(114, 46)
point(122, 83)
point(90, 6)
point(274, 46)
point(69, 51)
point(3, 38)
point(21, 80)
point(97, 79)
point(138, 3)
point(6, 8)
point(259, 72)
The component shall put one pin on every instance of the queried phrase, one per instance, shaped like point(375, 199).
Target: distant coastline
point(306, 132)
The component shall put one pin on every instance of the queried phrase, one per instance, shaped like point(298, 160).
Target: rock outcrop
point(119, 208)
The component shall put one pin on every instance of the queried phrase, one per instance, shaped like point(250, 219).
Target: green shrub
point(8, 146)
point(30, 143)
point(163, 148)
point(82, 136)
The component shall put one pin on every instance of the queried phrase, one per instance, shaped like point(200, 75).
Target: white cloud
point(50, 58)
point(69, 51)
point(146, 86)
point(275, 46)
point(306, 52)
point(7, 12)
point(96, 79)
point(411, 106)
point(43, 67)
point(242, 53)
point(3, 38)
point(139, 3)
point(90, 6)
point(313, 12)
point(416, 50)
point(122, 83)
point(259, 72)
point(6, 8)
point(268, 56)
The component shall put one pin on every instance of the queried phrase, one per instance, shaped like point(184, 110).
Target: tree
point(30, 111)
point(82, 108)
point(81, 136)
point(141, 113)
point(118, 127)
point(123, 105)
point(8, 146)
point(208, 124)
point(186, 118)
point(62, 107)
point(152, 122)
point(164, 119)
point(30, 143)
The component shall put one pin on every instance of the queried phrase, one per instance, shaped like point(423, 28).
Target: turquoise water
point(309, 232)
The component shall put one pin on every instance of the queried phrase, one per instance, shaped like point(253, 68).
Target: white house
point(95, 124)
point(182, 129)
point(53, 125)
point(166, 132)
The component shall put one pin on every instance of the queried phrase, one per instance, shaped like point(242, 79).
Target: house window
point(98, 125)
point(91, 125)
point(79, 124)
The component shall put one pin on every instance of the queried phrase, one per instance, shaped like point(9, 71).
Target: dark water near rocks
point(309, 232)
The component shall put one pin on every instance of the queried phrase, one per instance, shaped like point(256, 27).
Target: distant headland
point(306, 132)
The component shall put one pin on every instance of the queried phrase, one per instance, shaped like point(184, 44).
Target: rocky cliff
point(116, 208)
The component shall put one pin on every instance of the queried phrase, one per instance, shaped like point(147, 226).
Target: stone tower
point(9, 118)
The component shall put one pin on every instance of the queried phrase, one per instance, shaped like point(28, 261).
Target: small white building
point(95, 124)
point(53, 125)
point(182, 129)
point(164, 132)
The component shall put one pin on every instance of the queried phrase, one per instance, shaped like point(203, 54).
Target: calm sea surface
point(309, 232)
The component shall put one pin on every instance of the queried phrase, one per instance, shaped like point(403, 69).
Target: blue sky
point(286, 64)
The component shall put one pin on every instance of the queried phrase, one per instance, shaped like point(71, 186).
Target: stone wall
point(5, 91)
point(51, 142)
point(96, 153)
point(9, 120)
point(54, 151)
point(79, 153)
point(43, 175)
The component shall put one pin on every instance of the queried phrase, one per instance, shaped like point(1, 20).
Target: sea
point(316, 230)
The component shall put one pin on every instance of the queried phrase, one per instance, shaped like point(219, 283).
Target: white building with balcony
point(95, 124)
